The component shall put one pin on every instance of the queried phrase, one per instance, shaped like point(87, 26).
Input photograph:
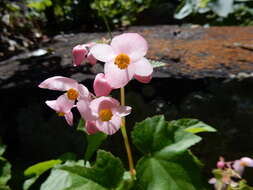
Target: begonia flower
point(101, 86)
point(104, 112)
point(124, 58)
point(74, 90)
point(239, 165)
point(81, 53)
point(63, 107)
point(91, 127)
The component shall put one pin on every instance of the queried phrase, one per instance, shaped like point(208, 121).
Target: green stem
point(125, 137)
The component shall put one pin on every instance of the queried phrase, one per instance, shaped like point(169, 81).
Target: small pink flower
point(101, 86)
point(104, 112)
point(124, 58)
point(239, 165)
point(82, 53)
point(74, 90)
point(221, 163)
point(63, 107)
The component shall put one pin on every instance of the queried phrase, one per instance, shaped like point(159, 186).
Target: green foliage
point(5, 170)
point(37, 170)
point(192, 125)
point(120, 12)
point(106, 173)
point(218, 11)
point(167, 164)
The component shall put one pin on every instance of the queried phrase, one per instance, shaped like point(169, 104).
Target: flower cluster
point(229, 173)
point(124, 60)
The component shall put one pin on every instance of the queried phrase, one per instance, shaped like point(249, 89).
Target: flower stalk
point(125, 137)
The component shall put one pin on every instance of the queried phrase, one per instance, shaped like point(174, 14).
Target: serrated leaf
point(192, 125)
point(106, 173)
point(154, 136)
point(166, 165)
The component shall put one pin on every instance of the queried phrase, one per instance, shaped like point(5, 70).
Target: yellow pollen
point(72, 94)
point(243, 164)
point(61, 114)
point(105, 114)
point(122, 61)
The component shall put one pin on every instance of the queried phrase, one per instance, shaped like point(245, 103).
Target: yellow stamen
point(243, 164)
point(122, 61)
point(105, 114)
point(72, 94)
point(61, 114)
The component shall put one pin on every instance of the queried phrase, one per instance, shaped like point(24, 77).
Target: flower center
point(61, 114)
point(105, 114)
point(72, 94)
point(122, 61)
point(243, 164)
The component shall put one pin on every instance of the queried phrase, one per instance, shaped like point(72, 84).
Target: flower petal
point(116, 77)
point(69, 118)
point(79, 52)
point(238, 167)
point(61, 104)
point(247, 161)
point(143, 79)
point(109, 127)
point(91, 59)
point(59, 83)
point(103, 103)
point(101, 85)
point(91, 127)
point(131, 44)
point(83, 92)
point(103, 52)
point(143, 68)
point(83, 107)
point(123, 111)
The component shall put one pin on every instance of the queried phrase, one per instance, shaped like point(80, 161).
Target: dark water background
point(34, 133)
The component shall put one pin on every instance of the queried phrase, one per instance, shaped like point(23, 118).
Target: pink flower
point(101, 86)
point(64, 103)
point(105, 114)
point(82, 53)
point(74, 90)
point(239, 165)
point(91, 127)
point(124, 58)
point(63, 107)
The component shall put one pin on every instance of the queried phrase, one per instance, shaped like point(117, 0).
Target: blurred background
point(24, 23)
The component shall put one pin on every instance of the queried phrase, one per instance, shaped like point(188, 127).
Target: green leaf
point(167, 164)
point(5, 171)
point(2, 149)
point(94, 141)
point(107, 172)
point(154, 136)
point(36, 170)
point(39, 5)
point(192, 125)
point(41, 167)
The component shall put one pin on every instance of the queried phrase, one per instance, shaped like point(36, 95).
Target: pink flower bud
point(79, 53)
point(91, 127)
point(220, 164)
point(101, 85)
